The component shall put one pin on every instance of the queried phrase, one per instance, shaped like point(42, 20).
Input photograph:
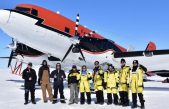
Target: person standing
point(98, 79)
point(73, 85)
point(137, 83)
point(29, 75)
point(58, 75)
point(111, 79)
point(44, 78)
point(124, 83)
point(84, 85)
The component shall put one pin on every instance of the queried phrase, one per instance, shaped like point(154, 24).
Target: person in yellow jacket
point(84, 85)
point(98, 79)
point(137, 83)
point(124, 80)
point(111, 79)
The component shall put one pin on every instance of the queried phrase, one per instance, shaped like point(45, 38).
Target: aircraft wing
point(141, 53)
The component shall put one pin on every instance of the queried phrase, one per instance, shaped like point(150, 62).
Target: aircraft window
point(98, 45)
point(34, 12)
point(67, 29)
point(26, 10)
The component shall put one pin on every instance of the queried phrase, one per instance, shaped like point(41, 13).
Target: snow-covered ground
point(12, 96)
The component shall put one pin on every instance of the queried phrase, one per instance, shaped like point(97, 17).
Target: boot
point(109, 99)
point(121, 93)
point(140, 95)
point(134, 100)
point(126, 100)
point(142, 106)
point(63, 101)
point(82, 98)
point(115, 99)
point(33, 102)
point(101, 98)
point(88, 97)
point(97, 98)
point(26, 102)
point(54, 102)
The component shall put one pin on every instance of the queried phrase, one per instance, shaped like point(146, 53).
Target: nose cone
point(4, 16)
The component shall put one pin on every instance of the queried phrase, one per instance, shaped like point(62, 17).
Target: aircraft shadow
point(156, 89)
point(16, 81)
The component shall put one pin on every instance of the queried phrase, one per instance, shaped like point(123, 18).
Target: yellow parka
point(98, 80)
point(124, 78)
point(84, 82)
point(137, 81)
point(112, 79)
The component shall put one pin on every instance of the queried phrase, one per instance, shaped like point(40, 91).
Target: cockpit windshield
point(26, 10)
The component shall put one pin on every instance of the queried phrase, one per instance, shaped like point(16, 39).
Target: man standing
point(137, 83)
point(73, 85)
point(98, 79)
point(44, 74)
point(124, 83)
point(29, 75)
point(59, 76)
point(111, 79)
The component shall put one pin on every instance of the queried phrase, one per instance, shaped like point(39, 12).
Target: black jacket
point(26, 74)
point(60, 75)
point(72, 77)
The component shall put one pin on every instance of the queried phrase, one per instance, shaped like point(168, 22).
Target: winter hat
point(74, 66)
point(135, 61)
point(123, 60)
point(30, 64)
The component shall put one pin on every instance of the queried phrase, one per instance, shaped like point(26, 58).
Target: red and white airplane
point(40, 34)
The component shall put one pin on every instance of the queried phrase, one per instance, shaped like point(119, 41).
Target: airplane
point(38, 33)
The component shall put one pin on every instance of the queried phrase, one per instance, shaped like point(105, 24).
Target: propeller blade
point(70, 48)
point(10, 58)
point(9, 16)
point(77, 25)
point(81, 53)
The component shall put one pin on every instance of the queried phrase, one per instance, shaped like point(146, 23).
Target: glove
point(117, 84)
point(105, 85)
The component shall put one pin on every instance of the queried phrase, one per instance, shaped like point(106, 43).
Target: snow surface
point(12, 96)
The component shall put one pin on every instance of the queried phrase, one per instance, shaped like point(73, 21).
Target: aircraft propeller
point(75, 41)
point(13, 47)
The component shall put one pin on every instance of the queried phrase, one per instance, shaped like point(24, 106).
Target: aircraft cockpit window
point(27, 10)
point(34, 12)
point(21, 9)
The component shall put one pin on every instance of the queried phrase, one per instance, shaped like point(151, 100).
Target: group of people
point(116, 83)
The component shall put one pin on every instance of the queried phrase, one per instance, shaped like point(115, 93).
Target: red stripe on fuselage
point(59, 22)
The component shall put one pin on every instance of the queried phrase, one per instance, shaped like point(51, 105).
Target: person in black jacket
point(59, 76)
point(29, 75)
point(73, 85)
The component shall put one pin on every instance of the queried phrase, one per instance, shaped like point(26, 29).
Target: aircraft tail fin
point(151, 46)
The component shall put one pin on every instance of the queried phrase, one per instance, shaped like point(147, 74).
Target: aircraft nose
point(4, 16)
